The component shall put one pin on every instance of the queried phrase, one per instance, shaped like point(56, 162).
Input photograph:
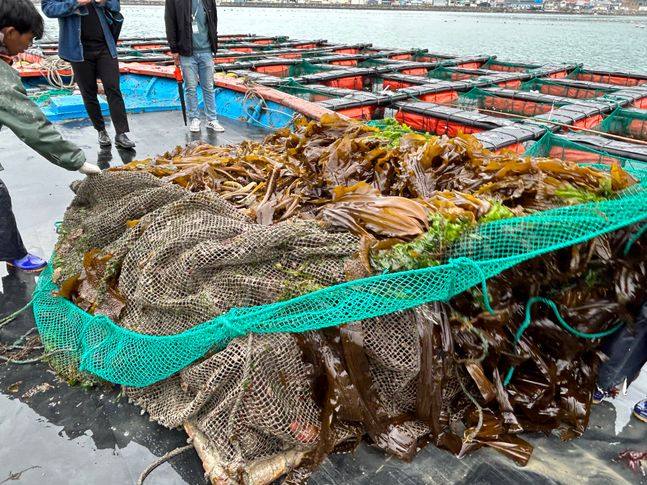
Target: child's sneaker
point(640, 410)
point(29, 263)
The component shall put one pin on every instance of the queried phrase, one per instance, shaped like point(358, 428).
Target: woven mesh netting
point(630, 123)
point(492, 102)
point(551, 145)
point(557, 88)
point(342, 281)
point(618, 78)
point(446, 74)
point(497, 65)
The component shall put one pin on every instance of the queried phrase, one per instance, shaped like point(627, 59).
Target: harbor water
point(598, 41)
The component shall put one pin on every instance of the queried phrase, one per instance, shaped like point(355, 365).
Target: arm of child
point(22, 116)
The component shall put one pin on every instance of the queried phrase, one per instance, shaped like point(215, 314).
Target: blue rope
point(635, 238)
point(471, 262)
point(528, 320)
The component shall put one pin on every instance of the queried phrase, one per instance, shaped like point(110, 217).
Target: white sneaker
point(215, 126)
point(194, 125)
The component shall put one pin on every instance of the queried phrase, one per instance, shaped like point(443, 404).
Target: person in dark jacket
point(86, 42)
point(192, 33)
point(20, 23)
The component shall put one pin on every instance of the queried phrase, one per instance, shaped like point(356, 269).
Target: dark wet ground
point(70, 435)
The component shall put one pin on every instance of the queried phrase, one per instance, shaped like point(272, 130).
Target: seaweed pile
point(202, 229)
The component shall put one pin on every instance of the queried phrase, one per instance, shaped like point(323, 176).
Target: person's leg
point(12, 249)
point(190, 74)
point(85, 75)
point(11, 245)
point(206, 81)
point(205, 71)
point(108, 72)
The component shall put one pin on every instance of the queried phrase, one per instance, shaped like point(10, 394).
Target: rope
point(18, 342)
point(635, 238)
point(51, 67)
point(528, 320)
point(479, 270)
point(255, 116)
point(40, 358)
point(163, 459)
point(12, 316)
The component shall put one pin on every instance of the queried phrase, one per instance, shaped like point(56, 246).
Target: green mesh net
point(422, 56)
point(546, 86)
point(372, 62)
point(97, 345)
point(631, 123)
point(620, 79)
point(303, 68)
point(554, 146)
point(496, 65)
point(304, 91)
point(446, 74)
point(492, 102)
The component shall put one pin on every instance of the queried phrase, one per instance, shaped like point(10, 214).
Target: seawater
point(603, 42)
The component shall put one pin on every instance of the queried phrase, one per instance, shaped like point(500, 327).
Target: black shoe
point(104, 139)
point(122, 141)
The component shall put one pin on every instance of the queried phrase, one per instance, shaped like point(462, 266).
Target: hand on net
point(89, 169)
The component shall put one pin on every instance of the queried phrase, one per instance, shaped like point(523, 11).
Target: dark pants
point(11, 246)
point(101, 65)
point(627, 352)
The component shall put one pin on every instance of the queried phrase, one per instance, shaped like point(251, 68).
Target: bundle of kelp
point(162, 245)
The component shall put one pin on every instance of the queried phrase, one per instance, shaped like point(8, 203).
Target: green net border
point(619, 121)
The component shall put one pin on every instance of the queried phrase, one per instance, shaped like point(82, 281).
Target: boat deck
point(56, 433)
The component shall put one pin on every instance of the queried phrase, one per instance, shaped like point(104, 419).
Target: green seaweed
point(427, 249)
point(392, 131)
point(574, 195)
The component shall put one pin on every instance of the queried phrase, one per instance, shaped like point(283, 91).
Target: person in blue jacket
point(87, 43)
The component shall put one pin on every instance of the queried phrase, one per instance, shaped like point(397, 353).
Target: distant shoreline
point(404, 8)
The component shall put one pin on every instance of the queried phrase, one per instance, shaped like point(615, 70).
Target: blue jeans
point(199, 67)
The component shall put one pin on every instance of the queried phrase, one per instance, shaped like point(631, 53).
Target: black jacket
point(177, 16)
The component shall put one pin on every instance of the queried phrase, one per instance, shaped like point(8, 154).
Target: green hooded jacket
point(22, 116)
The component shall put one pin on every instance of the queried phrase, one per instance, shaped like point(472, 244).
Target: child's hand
point(89, 169)
point(83, 3)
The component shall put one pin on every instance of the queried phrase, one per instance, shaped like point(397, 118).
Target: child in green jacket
point(20, 24)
